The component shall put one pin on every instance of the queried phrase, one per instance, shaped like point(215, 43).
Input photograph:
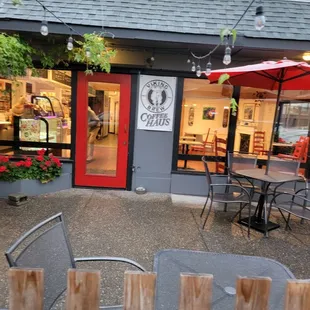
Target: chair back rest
point(238, 161)
point(258, 142)
point(45, 246)
point(286, 166)
point(220, 150)
point(207, 137)
point(207, 172)
point(301, 149)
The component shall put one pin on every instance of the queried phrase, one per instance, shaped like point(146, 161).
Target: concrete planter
point(34, 187)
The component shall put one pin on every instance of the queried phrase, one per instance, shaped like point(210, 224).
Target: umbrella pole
point(273, 127)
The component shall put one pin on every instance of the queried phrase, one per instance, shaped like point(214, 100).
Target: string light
point(193, 66)
point(227, 56)
point(260, 19)
point(208, 68)
point(87, 52)
point(198, 72)
point(70, 44)
point(44, 26)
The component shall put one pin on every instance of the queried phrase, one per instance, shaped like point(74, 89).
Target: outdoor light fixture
point(87, 52)
point(70, 44)
point(260, 19)
point(44, 28)
point(188, 60)
point(227, 56)
point(209, 68)
point(193, 66)
point(198, 72)
point(306, 56)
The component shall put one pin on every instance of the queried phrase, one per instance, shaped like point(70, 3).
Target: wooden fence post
point(252, 294)
point(26, 289)
point(297, 295)
point(139, 290)
point(83, 290)
point(195, 292)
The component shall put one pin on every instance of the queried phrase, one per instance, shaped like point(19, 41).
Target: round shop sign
point(156, 96)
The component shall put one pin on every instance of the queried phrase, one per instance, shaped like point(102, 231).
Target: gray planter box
point(34, 187)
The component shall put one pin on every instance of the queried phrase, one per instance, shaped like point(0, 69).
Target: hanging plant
point(93, 52)
point(233, 103)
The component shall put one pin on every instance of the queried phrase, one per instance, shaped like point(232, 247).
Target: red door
point(102, 129)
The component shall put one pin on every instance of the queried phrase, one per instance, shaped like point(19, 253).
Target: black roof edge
point(171, 37)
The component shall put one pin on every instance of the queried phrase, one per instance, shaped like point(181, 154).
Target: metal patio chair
point(239, 195)
point(50, 249)
point(297, 204)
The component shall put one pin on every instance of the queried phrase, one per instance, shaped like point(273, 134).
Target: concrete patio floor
point(118, 223)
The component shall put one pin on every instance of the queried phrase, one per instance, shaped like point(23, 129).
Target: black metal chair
point(50, 249)
point(242, 196)
point(297, 204)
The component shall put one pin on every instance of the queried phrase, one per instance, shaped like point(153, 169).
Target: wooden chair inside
point(201, 149)
point(220, 150)
point(259, 143)
point(300, 151)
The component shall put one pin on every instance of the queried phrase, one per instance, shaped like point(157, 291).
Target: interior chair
point(300, 152)
point(259, 143)
point(47, 246)
point(220, 151)
point(297, 204)
point(202, 148)
point(234, 194)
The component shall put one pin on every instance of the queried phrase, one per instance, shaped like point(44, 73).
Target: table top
point(283, 144)
point(225, 268)
point(190, 142)
point(271, 177)
point(187, 138)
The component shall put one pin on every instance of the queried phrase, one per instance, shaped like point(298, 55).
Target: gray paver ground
point(117, 223)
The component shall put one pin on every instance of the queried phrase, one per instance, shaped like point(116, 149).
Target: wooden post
point(83, 290)
point(195, 292)
point(26, 289)
point(297, 295)
point(252, 294)
point(139, 290)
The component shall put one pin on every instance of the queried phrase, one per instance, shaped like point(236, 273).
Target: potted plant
point(29, 174)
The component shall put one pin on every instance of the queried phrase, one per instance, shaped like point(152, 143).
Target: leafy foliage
point(15, 56)
point(16, 2)
point(93, 52)
point(223, 78)
point(226, 32)
point(43, 168)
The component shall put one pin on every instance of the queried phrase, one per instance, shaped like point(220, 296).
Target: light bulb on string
point(193, 66)
point(87, 52)
point(44, 28)
point(70, 44)
point(208, 68)
point(198, 72)
point(227, 56)
point(260, 19)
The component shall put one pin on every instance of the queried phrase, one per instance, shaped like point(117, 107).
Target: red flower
point(48, 163)
point(3, 169)
point(28, 163)
point(40, 158)
point(20, 164)
point(41, 152)
point(28, 158)
point(44, 168)
point(4, 159)
point(51, 155)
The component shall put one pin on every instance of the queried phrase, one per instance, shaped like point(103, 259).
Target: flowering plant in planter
point(41, 167)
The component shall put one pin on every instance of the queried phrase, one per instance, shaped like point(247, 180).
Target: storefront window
point(255, 123)
point(36, 110)
point(204, 125)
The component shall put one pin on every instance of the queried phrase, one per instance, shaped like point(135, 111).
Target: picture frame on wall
point(208, 113)
point(248, 111)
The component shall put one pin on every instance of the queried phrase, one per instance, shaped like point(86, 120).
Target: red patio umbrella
point(273, 75)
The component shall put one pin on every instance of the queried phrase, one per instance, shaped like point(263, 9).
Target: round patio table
point(257, 221)
point(225, 268)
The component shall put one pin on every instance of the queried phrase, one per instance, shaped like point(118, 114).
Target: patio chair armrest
point(232, 185)
point(291, 195)
point(109, 259)
point(236, 176)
